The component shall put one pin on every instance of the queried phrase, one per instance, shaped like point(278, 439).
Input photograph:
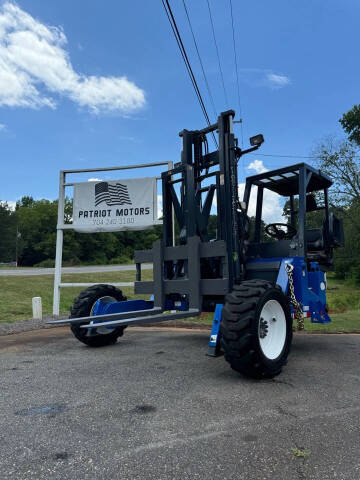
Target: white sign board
point(115, 205)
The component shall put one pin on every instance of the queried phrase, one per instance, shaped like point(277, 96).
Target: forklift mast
point(191, 211)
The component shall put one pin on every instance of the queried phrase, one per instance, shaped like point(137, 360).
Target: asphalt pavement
point(153, 406)
point(90, 269)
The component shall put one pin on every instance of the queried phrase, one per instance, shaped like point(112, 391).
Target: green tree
point(340, 160)
point(350, 122)
point(37, 226)
point(8, 233)
point(25, 201)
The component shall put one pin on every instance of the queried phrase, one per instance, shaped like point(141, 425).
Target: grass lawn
point(341, 322)
point(9, 267)
point(344, 304)
point(17, 292)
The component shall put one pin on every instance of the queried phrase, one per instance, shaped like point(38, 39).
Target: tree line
point(339, 158)
point(28, 233)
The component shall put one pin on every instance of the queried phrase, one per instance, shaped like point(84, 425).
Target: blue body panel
point(215, 331)
point(309, 286)
point(317, 294)
point(102, 308)
point(105, 308)
point(214, 341)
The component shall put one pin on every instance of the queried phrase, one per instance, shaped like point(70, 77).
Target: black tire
point(82, 308)
point(240, 329)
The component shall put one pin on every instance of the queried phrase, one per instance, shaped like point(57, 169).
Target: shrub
point(355, 275)
point(48, 263)
point(73, 262)
point(342, 268)
point(98, 259)
point(121, 259)
point(342, 301)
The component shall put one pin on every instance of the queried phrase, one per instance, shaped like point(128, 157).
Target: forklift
point(256, 278)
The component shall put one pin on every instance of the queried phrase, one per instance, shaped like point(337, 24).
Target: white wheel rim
point(272, 329)
point(102, 330)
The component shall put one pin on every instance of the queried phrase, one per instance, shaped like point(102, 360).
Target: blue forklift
point(257, 279)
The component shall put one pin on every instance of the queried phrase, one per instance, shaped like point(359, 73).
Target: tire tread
point(238, 333)
point(82, 307)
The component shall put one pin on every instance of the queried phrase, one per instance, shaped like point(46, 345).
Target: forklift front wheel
point(256, 329)
point(83, 307)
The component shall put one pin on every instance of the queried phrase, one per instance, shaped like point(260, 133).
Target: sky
point(90, 84)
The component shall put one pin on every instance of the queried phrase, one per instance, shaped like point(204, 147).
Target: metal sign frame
point(61, 226)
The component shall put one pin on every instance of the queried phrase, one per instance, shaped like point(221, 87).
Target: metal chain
point(298, 309)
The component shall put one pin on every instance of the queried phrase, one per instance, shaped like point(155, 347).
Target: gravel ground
point(26, 325)
point(154, 406)
point(33, 324)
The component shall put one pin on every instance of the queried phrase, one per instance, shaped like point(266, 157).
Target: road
point(51, 271)
point(154, 406)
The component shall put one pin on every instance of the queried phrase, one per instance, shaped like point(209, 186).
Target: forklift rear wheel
point(256, 329)
point(83, 307)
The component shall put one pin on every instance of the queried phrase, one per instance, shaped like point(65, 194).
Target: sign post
point(105, 206)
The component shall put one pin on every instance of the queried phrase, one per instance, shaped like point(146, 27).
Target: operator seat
point(314, 239)
point(316, 248)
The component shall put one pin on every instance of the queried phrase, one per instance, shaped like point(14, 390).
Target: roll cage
point(303, 181)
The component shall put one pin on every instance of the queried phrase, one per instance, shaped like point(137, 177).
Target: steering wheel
point(274, 230)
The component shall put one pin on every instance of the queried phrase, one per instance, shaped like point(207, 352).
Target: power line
point(282, 156)
point(237, 73)
point(217, 53)
point(289, 156)
point(186, 61)
point(201, 63)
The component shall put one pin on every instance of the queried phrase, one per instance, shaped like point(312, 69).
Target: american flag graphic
point(111, 194)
